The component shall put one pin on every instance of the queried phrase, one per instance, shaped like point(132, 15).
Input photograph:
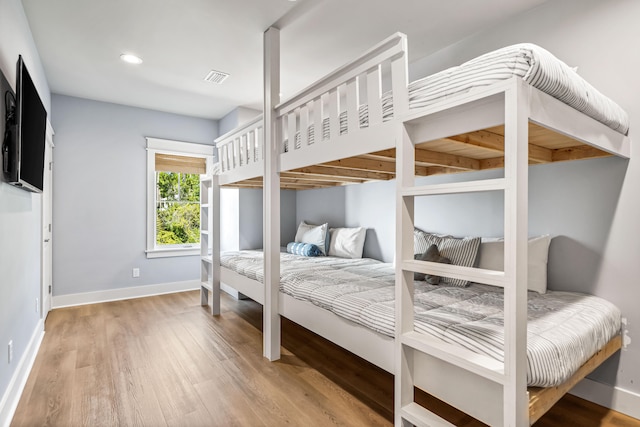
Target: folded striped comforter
point(564, 329)
point(535, 66)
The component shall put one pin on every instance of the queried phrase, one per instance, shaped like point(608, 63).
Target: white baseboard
point(11, 397)
point(616, 398)
point(119, 294)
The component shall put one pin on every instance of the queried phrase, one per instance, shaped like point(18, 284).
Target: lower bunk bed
point(351, 303)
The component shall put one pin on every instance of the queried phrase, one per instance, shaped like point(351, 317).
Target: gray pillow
point(461, 251)
point(432, 255)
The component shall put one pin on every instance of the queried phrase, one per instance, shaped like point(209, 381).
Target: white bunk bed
point(509, 116)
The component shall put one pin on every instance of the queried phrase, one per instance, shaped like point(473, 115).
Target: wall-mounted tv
point(25, 134)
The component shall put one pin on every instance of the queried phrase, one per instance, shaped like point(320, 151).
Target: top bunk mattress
point(535, 66)
point(563, 331)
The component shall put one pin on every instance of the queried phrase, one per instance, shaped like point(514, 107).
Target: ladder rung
point(478, 364)
point(206, 285)
point(421, 417)
point(495, 184)
point(477, 275)
point(207, 259)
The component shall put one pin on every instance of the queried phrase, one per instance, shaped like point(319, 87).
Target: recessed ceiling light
point(131, 59)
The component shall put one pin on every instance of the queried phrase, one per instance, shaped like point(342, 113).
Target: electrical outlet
point(37, 305)
point(136, 272)
point(10, 352)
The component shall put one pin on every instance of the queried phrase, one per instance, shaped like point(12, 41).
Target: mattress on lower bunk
point(533, 64)
point(564, 329)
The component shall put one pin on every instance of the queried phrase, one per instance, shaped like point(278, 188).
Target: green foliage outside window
point(178, 208)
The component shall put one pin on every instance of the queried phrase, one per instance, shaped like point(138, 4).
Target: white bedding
point(532, 63)
point(535, 66)
point(564, 329)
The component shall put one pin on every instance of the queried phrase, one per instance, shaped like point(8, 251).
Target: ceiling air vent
point(215, 76)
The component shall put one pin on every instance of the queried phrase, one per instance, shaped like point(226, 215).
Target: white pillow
point(347, 242)
point(492, 258)
point(314, 234)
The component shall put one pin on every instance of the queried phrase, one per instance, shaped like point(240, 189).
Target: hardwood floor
point(165, 361)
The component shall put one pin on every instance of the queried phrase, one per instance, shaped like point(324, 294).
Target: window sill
point(172, 252)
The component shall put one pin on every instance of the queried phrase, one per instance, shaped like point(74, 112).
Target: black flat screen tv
point(25, 139)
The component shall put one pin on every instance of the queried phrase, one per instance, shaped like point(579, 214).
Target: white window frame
point(166, 146)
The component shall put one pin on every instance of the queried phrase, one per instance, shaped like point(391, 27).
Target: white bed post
point(271, 196)
point(405, 177)
point(516, 401)
point(214, 209)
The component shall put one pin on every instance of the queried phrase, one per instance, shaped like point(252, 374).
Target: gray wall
point(251, 221)
point(320, 206)
point(20, 211)
point(235, 118)
point(100, 194)
point(288, 224)
point(229, 219)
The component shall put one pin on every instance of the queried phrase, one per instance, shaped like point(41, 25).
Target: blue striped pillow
point(304, 249)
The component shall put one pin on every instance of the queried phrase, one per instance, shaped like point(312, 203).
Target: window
point(173, 188)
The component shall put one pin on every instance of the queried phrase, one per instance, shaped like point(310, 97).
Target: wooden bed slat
point(344, 174)
point(478, 150)
point(364, 163)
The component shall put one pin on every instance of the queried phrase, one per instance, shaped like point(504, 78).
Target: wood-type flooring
point(165, 361)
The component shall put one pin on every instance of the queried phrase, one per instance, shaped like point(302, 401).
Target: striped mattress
point(532, 63)
point(564, 329)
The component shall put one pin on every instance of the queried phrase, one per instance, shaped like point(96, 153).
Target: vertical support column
point(271, 195)
point(516, 172)
point(214, 235)
point(405, 177)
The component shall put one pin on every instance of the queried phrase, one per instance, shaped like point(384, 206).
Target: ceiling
point(180, 41)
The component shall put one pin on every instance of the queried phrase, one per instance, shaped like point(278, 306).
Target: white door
point(47, 243)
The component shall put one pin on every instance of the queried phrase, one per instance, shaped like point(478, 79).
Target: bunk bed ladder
point(508, 377)
point(210, 242)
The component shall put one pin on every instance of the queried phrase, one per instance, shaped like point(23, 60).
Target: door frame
point(46, 261)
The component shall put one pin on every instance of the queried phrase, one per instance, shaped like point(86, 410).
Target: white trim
point(616, 398)
point(12, 395)
point(179, 147)
point(164, 253)
point(119, 294)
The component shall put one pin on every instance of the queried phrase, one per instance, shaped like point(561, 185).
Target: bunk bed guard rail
point(358, 96)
